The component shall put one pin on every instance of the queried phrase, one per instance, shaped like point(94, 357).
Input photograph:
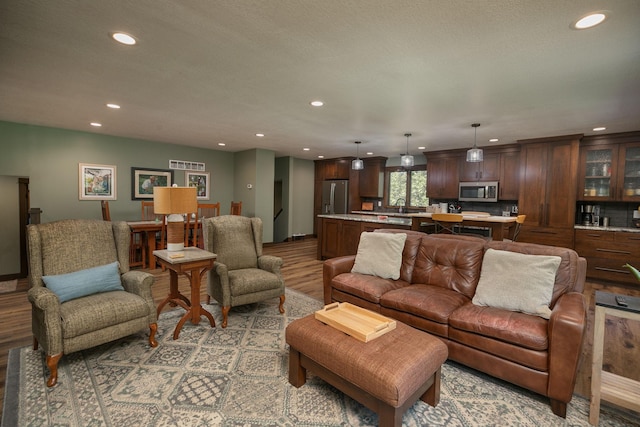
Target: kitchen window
point(406, 187)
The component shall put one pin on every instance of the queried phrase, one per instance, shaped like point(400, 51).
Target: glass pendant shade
point(357, 164)
point(407, 159)
point(475, 154)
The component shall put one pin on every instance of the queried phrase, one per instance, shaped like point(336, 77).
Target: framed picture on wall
point(200, 180)
point(144, 179)
point(96, 182)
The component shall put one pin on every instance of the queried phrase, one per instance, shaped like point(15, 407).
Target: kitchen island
point(339, 234)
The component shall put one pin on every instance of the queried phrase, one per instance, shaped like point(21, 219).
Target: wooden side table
point(193, 264)
point(613, 388)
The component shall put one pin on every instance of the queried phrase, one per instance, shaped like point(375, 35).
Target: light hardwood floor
point(303, 273)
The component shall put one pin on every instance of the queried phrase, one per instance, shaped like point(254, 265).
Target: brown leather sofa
point(438, 279)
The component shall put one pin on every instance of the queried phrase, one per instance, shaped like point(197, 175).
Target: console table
point(193, 263)
point(613, 388)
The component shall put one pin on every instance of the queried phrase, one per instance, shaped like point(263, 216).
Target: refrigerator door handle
point(332, 198)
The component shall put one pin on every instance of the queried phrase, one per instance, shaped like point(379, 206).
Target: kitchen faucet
point(401, 208)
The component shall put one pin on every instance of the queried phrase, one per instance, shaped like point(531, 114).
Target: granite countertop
point(369, 218)
point(599, 228)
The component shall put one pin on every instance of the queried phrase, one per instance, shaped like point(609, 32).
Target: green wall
point(49, 157)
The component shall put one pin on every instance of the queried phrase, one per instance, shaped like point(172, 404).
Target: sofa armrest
point(567, 327)
point(139, 283)
point(46, 320)
point(331, 268)
point(270, 263)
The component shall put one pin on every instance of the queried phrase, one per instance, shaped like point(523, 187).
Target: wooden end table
point(613, 388)
point(194, 263)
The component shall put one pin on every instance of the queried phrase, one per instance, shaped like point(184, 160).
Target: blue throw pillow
point(85, 282)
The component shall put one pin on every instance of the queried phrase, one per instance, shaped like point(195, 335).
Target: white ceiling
point(207, 71)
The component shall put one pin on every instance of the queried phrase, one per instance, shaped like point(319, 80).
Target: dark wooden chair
point(236, 208)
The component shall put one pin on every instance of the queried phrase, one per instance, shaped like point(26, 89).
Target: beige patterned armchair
point(71, 247)
point(241, 274)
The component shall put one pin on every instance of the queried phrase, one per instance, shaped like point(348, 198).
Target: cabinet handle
point(543, 231)
point(612, 270)
point(594, 235)
point(613, 251)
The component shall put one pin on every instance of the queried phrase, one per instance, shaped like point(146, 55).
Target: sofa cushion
point(380, 254)
point(409, 252)
point(427, 301)
point(85, 282)
point(569, 277)
point(367, 287)
point(517, 282)
point(450, 262)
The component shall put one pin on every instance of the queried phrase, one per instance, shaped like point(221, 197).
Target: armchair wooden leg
point(225, 315)
point(281, 307)
point(35, 343)
point(52, 363)
point(208, 299)
point(153, 328)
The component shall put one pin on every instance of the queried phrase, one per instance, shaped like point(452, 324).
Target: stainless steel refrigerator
point(335, 196)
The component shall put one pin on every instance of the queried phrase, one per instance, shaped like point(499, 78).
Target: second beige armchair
point(241, 274)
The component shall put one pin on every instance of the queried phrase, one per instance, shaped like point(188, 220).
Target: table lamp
point(174, 202)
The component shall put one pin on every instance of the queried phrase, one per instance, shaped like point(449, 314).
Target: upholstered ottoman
point(387, 375)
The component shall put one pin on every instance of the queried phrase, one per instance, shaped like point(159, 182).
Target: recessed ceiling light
point(305, 149)
point(222, 144)
point(96, 124)
point(494, 140)
point(421, 148)
point(321, 157)
point(589, 21)
point(369, 153)
point(260, 135)
point(114, 106)
point(123, 38)
point(317, 103)
point(598, 129)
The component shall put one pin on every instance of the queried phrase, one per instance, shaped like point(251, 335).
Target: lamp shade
point(174, 200)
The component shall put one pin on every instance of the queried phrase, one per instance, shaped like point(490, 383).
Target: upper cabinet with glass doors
point(610, 168)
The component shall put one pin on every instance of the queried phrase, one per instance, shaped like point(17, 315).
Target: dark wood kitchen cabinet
point(610, 168)
point(486, 170)
point(509, 182)
point(442, 174)
point(549, 170)
point(337, 168)
point(372, 177)
point(339, 237)
point(606, 252)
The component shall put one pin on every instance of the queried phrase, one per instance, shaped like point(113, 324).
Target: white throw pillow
point(517, 282)
point(380, 254)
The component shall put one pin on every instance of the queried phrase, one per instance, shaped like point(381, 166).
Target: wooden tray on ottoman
point(360, 323)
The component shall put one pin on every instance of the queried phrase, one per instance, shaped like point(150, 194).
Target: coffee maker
point(590, 214)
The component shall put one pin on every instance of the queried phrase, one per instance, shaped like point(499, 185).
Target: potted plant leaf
point(633, 270)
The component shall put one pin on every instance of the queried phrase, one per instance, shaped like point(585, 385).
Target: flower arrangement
point(633, 270)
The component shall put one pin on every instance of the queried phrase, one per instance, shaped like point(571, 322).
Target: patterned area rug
point(238, 377)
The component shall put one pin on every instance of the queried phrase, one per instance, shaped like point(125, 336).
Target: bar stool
point(447, 223)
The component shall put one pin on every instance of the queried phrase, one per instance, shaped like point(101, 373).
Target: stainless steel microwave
point(478, 191)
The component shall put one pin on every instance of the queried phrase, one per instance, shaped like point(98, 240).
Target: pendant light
point(475, 154)
point(407, 160)
point(357, 164)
